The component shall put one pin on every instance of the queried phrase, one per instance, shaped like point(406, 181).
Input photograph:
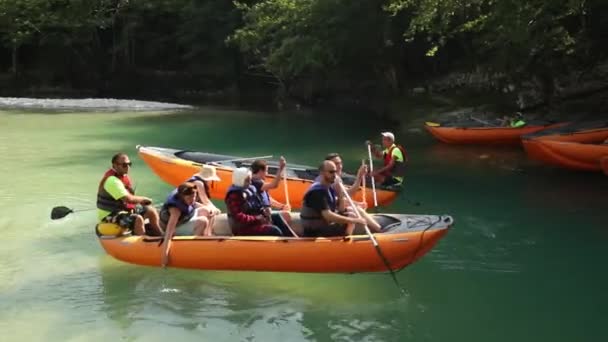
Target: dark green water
point(524, 262)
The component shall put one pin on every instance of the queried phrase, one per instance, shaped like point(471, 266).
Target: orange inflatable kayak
point(604, 165)
point(591, 132)
point(405, 239)
point(176, 166)
point(482, 135)
point(571, 155)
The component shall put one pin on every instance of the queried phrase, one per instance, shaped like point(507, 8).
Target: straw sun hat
point(208, 173)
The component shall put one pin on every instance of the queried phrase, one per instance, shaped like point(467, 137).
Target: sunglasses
point(126, 164)
point(332, 171)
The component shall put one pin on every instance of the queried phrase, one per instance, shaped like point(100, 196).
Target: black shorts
point(126, 219)
point(391, 181)
point(334, 229)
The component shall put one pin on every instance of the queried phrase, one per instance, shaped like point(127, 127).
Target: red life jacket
point(105, 201)
point(398, 169)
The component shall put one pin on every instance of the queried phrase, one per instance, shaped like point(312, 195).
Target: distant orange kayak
point(582, 132)
point(571, 155)
point(176, 166)
point(405, 239)
point(590, 132)
point(483, 135)
point(604, 165)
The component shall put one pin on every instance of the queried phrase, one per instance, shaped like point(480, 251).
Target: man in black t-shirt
point(322, 205)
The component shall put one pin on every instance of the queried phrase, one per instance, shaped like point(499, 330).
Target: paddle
point(371, 236)
point(371, 171)
point(285, 187)
point(287, 201)
point(363, 185)
point(61, 212)
point(481, 121)
point(238, 159)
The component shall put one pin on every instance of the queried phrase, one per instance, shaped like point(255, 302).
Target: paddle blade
point(60, 212)
point(432, 124)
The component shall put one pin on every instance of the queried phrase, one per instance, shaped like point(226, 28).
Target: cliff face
point(573, 94)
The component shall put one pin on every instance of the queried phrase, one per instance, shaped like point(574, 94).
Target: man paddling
point(394, 158)
point(323, 211)
point(117, 202)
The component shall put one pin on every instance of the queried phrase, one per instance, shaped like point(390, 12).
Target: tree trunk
point(15, 57)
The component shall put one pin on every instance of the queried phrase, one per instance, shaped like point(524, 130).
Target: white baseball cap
point(388, 135)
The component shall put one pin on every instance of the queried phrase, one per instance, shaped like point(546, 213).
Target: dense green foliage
point(308, 50)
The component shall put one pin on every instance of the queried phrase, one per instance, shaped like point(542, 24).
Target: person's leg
point(371, 223)
point(277, 220)
point(200, 225)
point(209, 230)
point(138, 225)
point(152, 215)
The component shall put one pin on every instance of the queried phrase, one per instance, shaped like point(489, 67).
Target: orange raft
point(482, 135)
point(604, 165)
point(176, 166)
point(593, 132)
point(571, 155)
point(405, 239)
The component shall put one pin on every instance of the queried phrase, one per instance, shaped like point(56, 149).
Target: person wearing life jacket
point(352, 190)
point(323, 207)
point(117, 202)
point(514, 122)
point(259, 171)
point(245, 209)
point(206, 174)
point(179, 212)
point(394, 158)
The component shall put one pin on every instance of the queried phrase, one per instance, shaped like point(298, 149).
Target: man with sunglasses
point(322, 206)
point(117, 202)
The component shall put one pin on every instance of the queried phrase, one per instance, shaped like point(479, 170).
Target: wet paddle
point(363, 185)
point(285, 187)
point(238, 159)
point(371, 236)
point(61, 212)
point(371, 171)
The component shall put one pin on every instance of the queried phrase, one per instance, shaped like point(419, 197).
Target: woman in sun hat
point(206, 174)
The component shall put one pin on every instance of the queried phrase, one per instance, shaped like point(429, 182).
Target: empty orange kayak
point(176, 166)
point(582, 132)
point(604, 165)
point(571, 155)
point(589, 132)
point(405, 239)
point(483, 135)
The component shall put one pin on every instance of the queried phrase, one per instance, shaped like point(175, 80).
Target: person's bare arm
point(330, 216)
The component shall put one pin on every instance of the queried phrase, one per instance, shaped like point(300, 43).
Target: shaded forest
point(301, 52)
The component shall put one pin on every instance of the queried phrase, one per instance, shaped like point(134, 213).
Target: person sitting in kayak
point(259, 171)
point(180, 213)
point(245, 211)
point(514, 122)
point(117, 202)
point(206, 209)
point(323, 208)
point(394, 158)
point(335, 157)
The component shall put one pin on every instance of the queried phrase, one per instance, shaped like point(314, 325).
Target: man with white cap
point(394, 158)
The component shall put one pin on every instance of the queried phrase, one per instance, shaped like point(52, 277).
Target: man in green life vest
point(394, 157)
point(514, 122)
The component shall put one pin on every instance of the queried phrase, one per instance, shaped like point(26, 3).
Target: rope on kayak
point(431, 225)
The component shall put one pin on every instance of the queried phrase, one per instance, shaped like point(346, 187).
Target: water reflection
point(250, 305)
